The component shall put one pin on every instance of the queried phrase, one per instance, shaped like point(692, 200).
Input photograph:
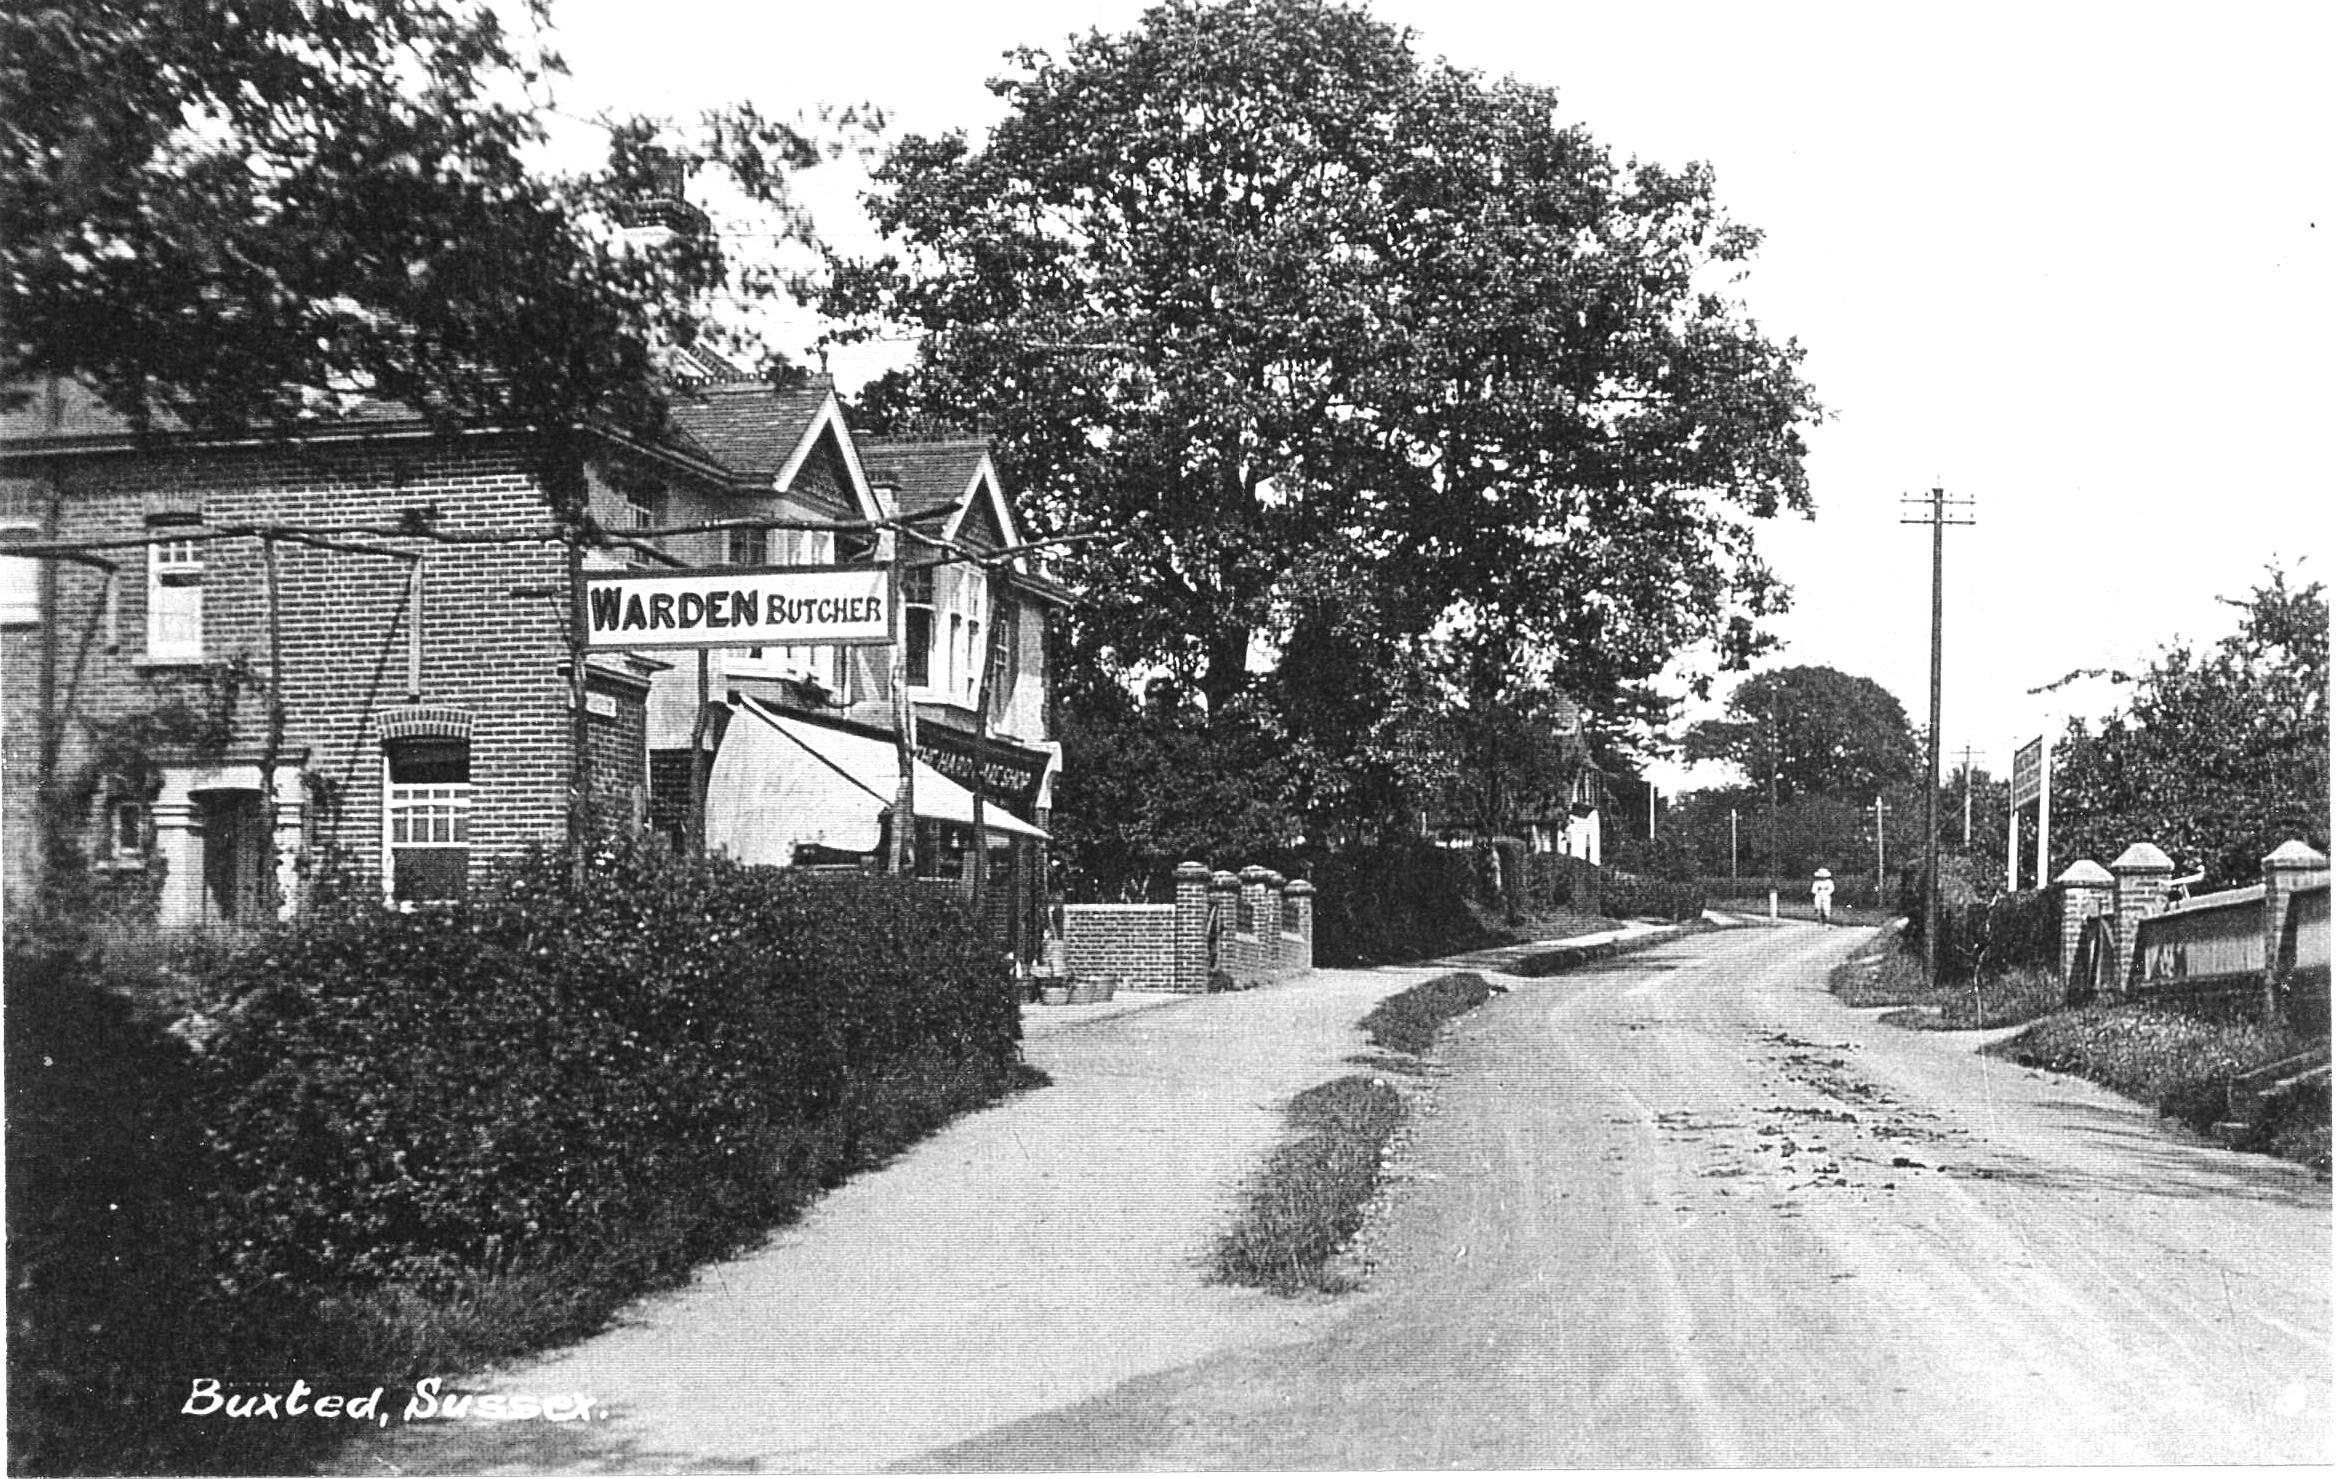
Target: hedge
point(612, 1079)
point(1392, 901)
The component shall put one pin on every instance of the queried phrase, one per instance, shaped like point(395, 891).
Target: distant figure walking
point(1823, 895)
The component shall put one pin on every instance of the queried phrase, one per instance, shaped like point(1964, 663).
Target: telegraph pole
point(1939, 510)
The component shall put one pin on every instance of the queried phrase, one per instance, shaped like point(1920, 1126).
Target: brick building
point(348, 648)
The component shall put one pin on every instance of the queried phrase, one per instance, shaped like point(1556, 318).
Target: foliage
point(1391, 901)
point(2216, 758)
point(1153, 784)
point(1630, 896)
point(400, 1096)
point(415, 1143)
point(1984, 935)
point(257, 216)
point(1308, 320)
point(1815, 732)
point(1409, 1021)
point(1307, 1201)
point(2178, 1065)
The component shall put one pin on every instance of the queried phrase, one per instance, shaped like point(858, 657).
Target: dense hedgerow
point(1392, 901)
point(411, 1143)
point(404, 1096)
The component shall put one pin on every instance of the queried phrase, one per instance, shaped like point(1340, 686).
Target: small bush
point(1629, 896)
point(1409, 1021)
point(1394, 901)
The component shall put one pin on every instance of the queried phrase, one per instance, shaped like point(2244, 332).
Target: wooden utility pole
point(1936, 510)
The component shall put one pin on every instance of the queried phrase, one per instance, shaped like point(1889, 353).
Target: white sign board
point(772, 606)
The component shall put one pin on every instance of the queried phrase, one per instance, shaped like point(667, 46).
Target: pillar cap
point(1191, 873)
point(2143, 857)
point(2085, 872)
point(2294, 854)
point(1299, 888)
point(1258, 873)
point(1224, 878)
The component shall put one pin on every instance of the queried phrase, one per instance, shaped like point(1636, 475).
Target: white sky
point(2078, 263)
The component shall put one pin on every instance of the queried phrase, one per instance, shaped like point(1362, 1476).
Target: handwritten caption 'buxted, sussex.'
point(823, 605)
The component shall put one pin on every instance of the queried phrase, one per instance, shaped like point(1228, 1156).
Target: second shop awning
point(779, 782)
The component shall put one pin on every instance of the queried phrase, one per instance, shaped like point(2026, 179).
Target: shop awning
point(778, 782)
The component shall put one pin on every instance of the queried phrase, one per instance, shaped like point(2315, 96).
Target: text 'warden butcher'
point(784, 606)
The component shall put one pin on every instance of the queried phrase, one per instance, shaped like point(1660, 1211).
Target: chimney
point(660, 212)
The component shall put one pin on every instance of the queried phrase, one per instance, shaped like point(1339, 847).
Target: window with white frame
point(175, 600)
point(427, 817)
point(20, 578)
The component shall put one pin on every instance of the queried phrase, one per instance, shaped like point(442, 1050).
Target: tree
point(1305, 320)
point(245, 215)
point(1813, 731)
point(2216, 758)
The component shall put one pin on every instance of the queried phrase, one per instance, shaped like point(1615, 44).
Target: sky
point(2078, 265)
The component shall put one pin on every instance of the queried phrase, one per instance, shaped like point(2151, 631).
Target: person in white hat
point(1823, 895)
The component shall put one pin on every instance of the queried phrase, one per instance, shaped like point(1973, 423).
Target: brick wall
point(492, 632)
point(1127, 945)
point(1175, 947)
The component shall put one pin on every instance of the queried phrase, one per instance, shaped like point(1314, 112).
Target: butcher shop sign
point(780, 606)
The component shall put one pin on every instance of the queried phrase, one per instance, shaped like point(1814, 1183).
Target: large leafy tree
point(2216, 757)
point(244, 213)
point(1309, 321)
point(1813, 731)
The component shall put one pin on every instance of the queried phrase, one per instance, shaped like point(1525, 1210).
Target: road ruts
point(1684, 1209)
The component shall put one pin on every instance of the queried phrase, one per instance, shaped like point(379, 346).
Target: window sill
point(153, 663)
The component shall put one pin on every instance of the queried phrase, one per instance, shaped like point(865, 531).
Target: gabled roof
point(933, 477)
point(754, 428)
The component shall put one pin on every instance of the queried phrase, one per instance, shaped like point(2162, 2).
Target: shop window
point(175, 600)
point(428, 803)
point(20, 578)
point(921, 599)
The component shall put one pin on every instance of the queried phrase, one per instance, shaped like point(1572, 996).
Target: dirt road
point(1685, 1209)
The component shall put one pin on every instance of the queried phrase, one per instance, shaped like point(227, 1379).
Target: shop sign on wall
point(822, 605)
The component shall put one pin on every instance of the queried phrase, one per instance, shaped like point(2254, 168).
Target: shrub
point(412, 1143)
point(1628, 896)
point(406, 1096)
point(1392, 901)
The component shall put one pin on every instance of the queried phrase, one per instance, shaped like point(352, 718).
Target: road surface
point(1684, 1209)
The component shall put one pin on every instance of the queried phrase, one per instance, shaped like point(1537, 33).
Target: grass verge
point(2181, 1066)
point(1308, 1200)
point(1886, 975)
point(1409, 1021)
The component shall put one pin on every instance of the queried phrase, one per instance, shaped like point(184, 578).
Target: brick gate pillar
point(1190, 941)
point(2087, 890)
point(2286, 871)
point(1299, 893)
point(2142, 889)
